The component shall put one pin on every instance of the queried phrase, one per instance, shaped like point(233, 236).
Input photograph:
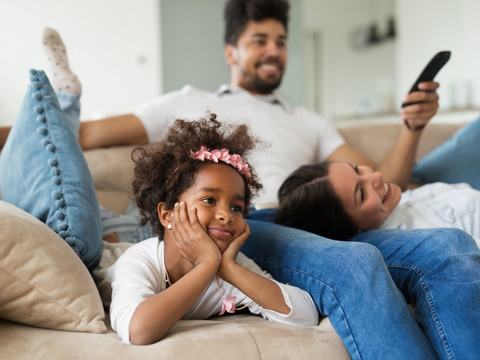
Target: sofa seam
point(254, 340)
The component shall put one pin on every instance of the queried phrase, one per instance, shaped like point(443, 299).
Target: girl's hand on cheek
point(230, 254)
point(194, 243)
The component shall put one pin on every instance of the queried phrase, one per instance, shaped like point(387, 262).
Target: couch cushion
point(112, 171)
point(232, 337)
point(111, 168)
point(376, 139)
point(43, 282)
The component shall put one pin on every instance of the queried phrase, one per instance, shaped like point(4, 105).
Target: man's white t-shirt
point(294, 136)
point(140, 273)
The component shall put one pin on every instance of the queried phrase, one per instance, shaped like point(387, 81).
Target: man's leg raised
point(43, 171)
point(438, 272)
point(349, 283)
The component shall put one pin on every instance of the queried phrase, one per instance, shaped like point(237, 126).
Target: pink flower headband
point(235, 160)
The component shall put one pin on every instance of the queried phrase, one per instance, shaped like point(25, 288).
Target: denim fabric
point(456, 160)
point(44, 171)
point(351, 283)
point(126, 227)
point(438, 272)
point(267, 215)
point(70, 105)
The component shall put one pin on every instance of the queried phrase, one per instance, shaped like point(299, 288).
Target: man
point(360, 285)
point(257, 54)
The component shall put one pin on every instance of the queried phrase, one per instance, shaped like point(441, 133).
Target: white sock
point(61, 77)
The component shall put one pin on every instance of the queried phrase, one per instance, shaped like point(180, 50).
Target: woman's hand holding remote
point(420, 106)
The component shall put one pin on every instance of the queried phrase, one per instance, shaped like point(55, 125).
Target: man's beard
point(253, 82)
point(264, 87)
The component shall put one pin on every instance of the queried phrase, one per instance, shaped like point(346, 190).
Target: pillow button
point(59, 215)
point(51, 147)
point(56, 180)
point(57, 195)
point(38, 109)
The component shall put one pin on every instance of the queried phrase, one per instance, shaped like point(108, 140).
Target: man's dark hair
point(308, 202)
point(239, 12)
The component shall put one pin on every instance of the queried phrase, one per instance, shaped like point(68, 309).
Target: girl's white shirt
point(140, 273)
point(438, 205)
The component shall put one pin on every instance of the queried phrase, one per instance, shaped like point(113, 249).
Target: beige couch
point(227, 337)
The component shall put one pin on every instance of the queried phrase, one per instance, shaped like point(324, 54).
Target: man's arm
point(112, 131)
point(397, 166)
point(4, 131)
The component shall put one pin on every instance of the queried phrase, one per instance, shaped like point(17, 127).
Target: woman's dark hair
point(239, 12)
point(164, 171)
point(308, 202)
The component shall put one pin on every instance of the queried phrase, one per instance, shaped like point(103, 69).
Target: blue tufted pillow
point(45, 174)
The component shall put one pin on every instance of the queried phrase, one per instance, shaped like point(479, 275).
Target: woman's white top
point(438, 205)
point(140, 273)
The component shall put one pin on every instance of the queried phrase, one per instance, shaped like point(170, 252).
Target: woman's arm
point(397, 165)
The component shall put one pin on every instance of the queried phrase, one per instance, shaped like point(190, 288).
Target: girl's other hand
point(230, 254)
point(194, 243)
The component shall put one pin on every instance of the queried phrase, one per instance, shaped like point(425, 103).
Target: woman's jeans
point(456, 160)
point(362, 286)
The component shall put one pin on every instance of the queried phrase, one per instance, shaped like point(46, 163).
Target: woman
point(351, 199)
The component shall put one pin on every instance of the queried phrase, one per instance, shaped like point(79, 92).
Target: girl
point(195, 190)
point(339, 200)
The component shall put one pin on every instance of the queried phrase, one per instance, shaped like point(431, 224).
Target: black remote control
point(430, 71)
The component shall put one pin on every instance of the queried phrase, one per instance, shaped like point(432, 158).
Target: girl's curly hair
point(164, 171)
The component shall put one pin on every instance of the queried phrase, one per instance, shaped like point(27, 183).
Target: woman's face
point(365, 196)
point(218, 194)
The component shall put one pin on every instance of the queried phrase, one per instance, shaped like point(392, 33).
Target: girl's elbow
point(144, 339)
point(139, 335)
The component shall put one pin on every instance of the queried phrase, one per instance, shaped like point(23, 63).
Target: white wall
point(351, 82)
point(113, 46)
point(429, 26)
point(192, 44)
point(192, 47)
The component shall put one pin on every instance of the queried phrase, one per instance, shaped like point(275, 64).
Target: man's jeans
point(362, 285)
